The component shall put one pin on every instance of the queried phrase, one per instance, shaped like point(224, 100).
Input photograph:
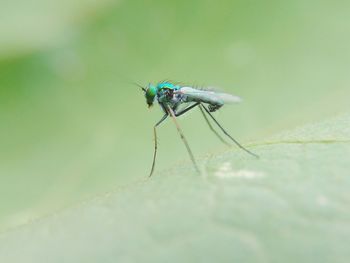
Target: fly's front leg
point(155, 143)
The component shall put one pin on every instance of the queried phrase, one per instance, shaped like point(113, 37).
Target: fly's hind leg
point(226, 133)
point(211, 127)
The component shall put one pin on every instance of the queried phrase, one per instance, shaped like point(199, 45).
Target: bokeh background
point(73, 125)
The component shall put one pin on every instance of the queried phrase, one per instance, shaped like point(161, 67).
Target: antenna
point(140, 86)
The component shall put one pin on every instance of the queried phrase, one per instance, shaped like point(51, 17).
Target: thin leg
point(177, 114)
point(228, 135)
point(211, 127)
point(155, 143)
point(183, 139)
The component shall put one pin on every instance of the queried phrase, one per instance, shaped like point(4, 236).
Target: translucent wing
point(208, 96)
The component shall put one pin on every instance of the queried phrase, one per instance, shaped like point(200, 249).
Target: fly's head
point(150, 94)
point(163, 91)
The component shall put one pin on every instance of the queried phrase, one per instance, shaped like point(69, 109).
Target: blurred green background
point(73, 125)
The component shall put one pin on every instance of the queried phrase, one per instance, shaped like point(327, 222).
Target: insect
point(176, 100)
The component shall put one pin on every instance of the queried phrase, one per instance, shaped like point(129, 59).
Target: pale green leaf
point(291, 205)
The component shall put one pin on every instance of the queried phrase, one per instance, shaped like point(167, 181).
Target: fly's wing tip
point(238, 99)
point(229, 98)
point(233, 99)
